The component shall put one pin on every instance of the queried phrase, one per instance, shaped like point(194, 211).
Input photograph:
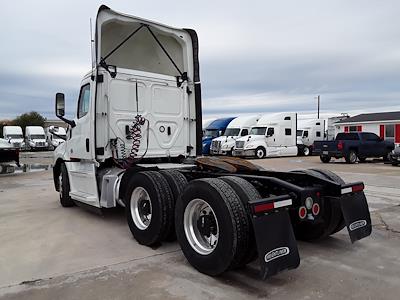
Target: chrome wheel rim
point(60, 181)
point(260, 153)
point(198, 214)
point(141, 209)
point(306, 151)
point(353, 157)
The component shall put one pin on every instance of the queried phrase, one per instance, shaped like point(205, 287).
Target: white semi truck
point(14, 135)
point(308, 132)
point(35, 138)
point(238, 127)
point(55, 135)
point(273, 136)
point(140, 106)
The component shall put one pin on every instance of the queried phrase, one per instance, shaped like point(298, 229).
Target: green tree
point(32, 118)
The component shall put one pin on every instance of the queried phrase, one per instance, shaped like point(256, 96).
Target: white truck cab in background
point(35, 138)
point(273, 135)
point(308, 132)
point(238, 127)
point(55, 135)
point(14, 135)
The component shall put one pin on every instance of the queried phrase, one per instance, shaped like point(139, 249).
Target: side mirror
point(60, 105)
point(60, 109)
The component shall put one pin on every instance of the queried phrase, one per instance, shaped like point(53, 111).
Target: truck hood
point(5, 144)
point(251, 138)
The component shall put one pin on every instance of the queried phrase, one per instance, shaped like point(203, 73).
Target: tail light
point(302, 212)
point(340, 145)
point(315, 209)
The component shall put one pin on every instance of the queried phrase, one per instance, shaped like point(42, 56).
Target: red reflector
point(302, 212)
point(357, 188)
point(263, 207)
point(340, 145)
point(315, 209)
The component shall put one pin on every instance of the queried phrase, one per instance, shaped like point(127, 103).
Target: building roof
point(383, 116)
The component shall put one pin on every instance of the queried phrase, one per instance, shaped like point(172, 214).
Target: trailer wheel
point(246, 192)
point(149, 207)
point(334, 177)
point(260, 152)
point(329, 218)
point(64, 188)
point(211, 226)
point(351, 157)
point(177, 182)
point(325, 158)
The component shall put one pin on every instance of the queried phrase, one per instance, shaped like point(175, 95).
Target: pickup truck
point(353, 146)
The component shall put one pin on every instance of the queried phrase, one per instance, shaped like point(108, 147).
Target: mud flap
point(276, 243)
point(356, 215)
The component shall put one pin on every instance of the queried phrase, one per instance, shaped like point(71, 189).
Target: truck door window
point(288, 131)
point(244, 132)
point(84, 101)
point(270, 131)
point(318, 133)
point(305, 134)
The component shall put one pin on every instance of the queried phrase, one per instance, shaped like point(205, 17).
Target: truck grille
point(40, 144)
point(216, 145)
point(239, 144)
point(17, 145)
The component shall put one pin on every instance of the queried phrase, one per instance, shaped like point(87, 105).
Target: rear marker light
point(302, 212)
point(357, 188)
point(273, 205)
point(315, 209)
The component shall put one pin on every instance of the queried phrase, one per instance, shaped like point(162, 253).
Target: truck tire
point(149, 207)
point(334, 177)
point(64, 188)
point(362, 159)
point(329, 221)
point(212, 226)
point(177, 182)
point(260, 152)
point(351, 157)
point(246, 192)
point(325, 158)
point(306, 151)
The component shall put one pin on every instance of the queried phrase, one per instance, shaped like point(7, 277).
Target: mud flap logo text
point(357, 224)
point(278, 252)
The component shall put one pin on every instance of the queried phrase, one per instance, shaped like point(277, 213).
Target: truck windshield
point(299, 132)
point(258, 131)
point(232, 132)
point(37, 137)
point(14, 136)
point(211, 132)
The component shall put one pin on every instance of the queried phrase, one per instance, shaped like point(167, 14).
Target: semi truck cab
point(214, 130)
point(13, 134)
point(35, 138)
point(238, 127)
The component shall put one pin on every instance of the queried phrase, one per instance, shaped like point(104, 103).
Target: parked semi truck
point(215, 129)
point(308, 132)
point(273, 136)
point(140, 105)
point(240, 126)
point(35, 138)
point(14, 135)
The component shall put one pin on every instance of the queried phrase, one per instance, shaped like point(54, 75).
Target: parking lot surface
point(50, 252)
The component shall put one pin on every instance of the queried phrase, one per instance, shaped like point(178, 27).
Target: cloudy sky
point(255, 56)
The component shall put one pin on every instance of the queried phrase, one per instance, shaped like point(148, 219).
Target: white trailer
point(35, 138)
point(238, 127)
point(55, 135)
point(14, 135)
point(308, 132)
point(141, 103)
point(273, 136)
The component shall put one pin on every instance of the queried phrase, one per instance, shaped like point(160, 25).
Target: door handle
point(87, 145)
